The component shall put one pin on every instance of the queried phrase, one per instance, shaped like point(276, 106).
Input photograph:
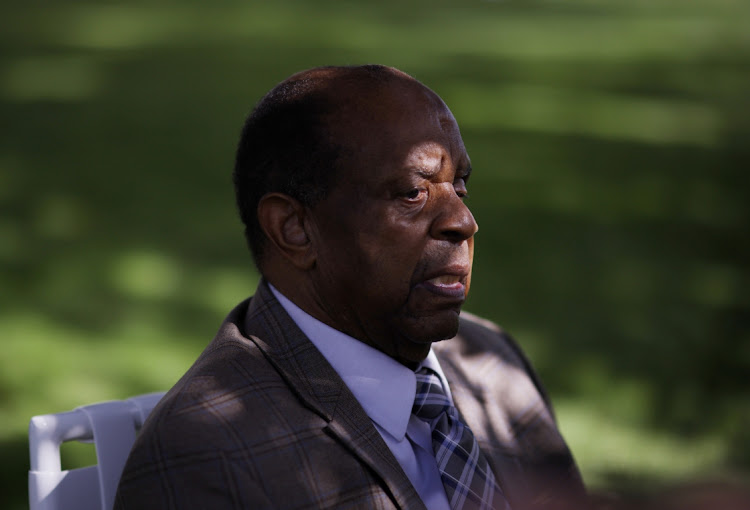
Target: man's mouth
point(447, 285)
point(445, 280)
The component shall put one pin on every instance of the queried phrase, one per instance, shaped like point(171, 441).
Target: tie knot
point(431, 399)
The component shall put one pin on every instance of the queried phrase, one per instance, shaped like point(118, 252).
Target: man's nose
point(454, 221)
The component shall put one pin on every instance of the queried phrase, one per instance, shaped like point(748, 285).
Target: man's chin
point(420, 334)
point(435, 327)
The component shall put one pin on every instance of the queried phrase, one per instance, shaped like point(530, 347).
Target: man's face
point(394, 237)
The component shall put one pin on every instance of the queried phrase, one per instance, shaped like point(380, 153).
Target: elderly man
point(349, 379)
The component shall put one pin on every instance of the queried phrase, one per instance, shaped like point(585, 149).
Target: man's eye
point(415, 194)
point(460, 187)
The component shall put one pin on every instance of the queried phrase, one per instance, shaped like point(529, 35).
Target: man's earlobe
point(283, 220)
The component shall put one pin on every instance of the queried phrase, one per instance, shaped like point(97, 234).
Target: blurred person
point(349, 378)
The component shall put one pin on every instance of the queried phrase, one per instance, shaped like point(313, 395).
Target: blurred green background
point(610, 147)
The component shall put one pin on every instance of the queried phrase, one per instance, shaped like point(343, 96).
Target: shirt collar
point(384, 387)
point(432, 363)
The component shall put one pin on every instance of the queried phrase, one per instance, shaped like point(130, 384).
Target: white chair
point(111, 426)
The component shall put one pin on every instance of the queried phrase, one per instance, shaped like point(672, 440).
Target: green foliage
point(610, 148)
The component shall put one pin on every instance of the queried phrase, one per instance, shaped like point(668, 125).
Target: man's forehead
point(376, 112)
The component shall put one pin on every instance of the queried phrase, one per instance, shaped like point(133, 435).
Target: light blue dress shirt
point(385, 388)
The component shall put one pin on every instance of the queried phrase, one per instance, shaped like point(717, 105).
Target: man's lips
point(450, 282)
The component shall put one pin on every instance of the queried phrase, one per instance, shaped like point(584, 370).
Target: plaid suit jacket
point(261, 420)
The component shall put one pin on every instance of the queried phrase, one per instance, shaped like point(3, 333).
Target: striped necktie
point(469, 483)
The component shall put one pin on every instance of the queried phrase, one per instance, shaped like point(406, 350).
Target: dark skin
point(386, 256)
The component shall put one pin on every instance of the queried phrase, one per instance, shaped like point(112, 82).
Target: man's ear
point(283, 220)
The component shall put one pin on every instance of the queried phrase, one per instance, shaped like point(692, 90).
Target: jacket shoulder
point(504, 403)
point(479, 337)
point(237, 432)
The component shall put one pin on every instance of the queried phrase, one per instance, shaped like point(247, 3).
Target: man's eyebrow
point(426, 173)
point(422, 170)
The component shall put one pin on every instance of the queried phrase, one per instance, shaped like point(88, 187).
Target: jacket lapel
point(321, 389)
point(489, 423)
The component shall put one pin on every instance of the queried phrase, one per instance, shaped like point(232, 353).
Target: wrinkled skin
point(393, 240)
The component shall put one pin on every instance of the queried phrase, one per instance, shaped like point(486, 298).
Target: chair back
point(111, 426)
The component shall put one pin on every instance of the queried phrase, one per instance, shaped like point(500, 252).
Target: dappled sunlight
point(59, 217)
point(9, 166)
point(221, 289)
point(589, 113)
point(11, 235)
point(149, 275)
point(146, 275)
point(608, 448)
point(51, 78)
point(625, 399)
point(616, 30)
point(613, 30)
point(715, 285)
point(124, 26)
point(67, 367)
point(609, 147)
